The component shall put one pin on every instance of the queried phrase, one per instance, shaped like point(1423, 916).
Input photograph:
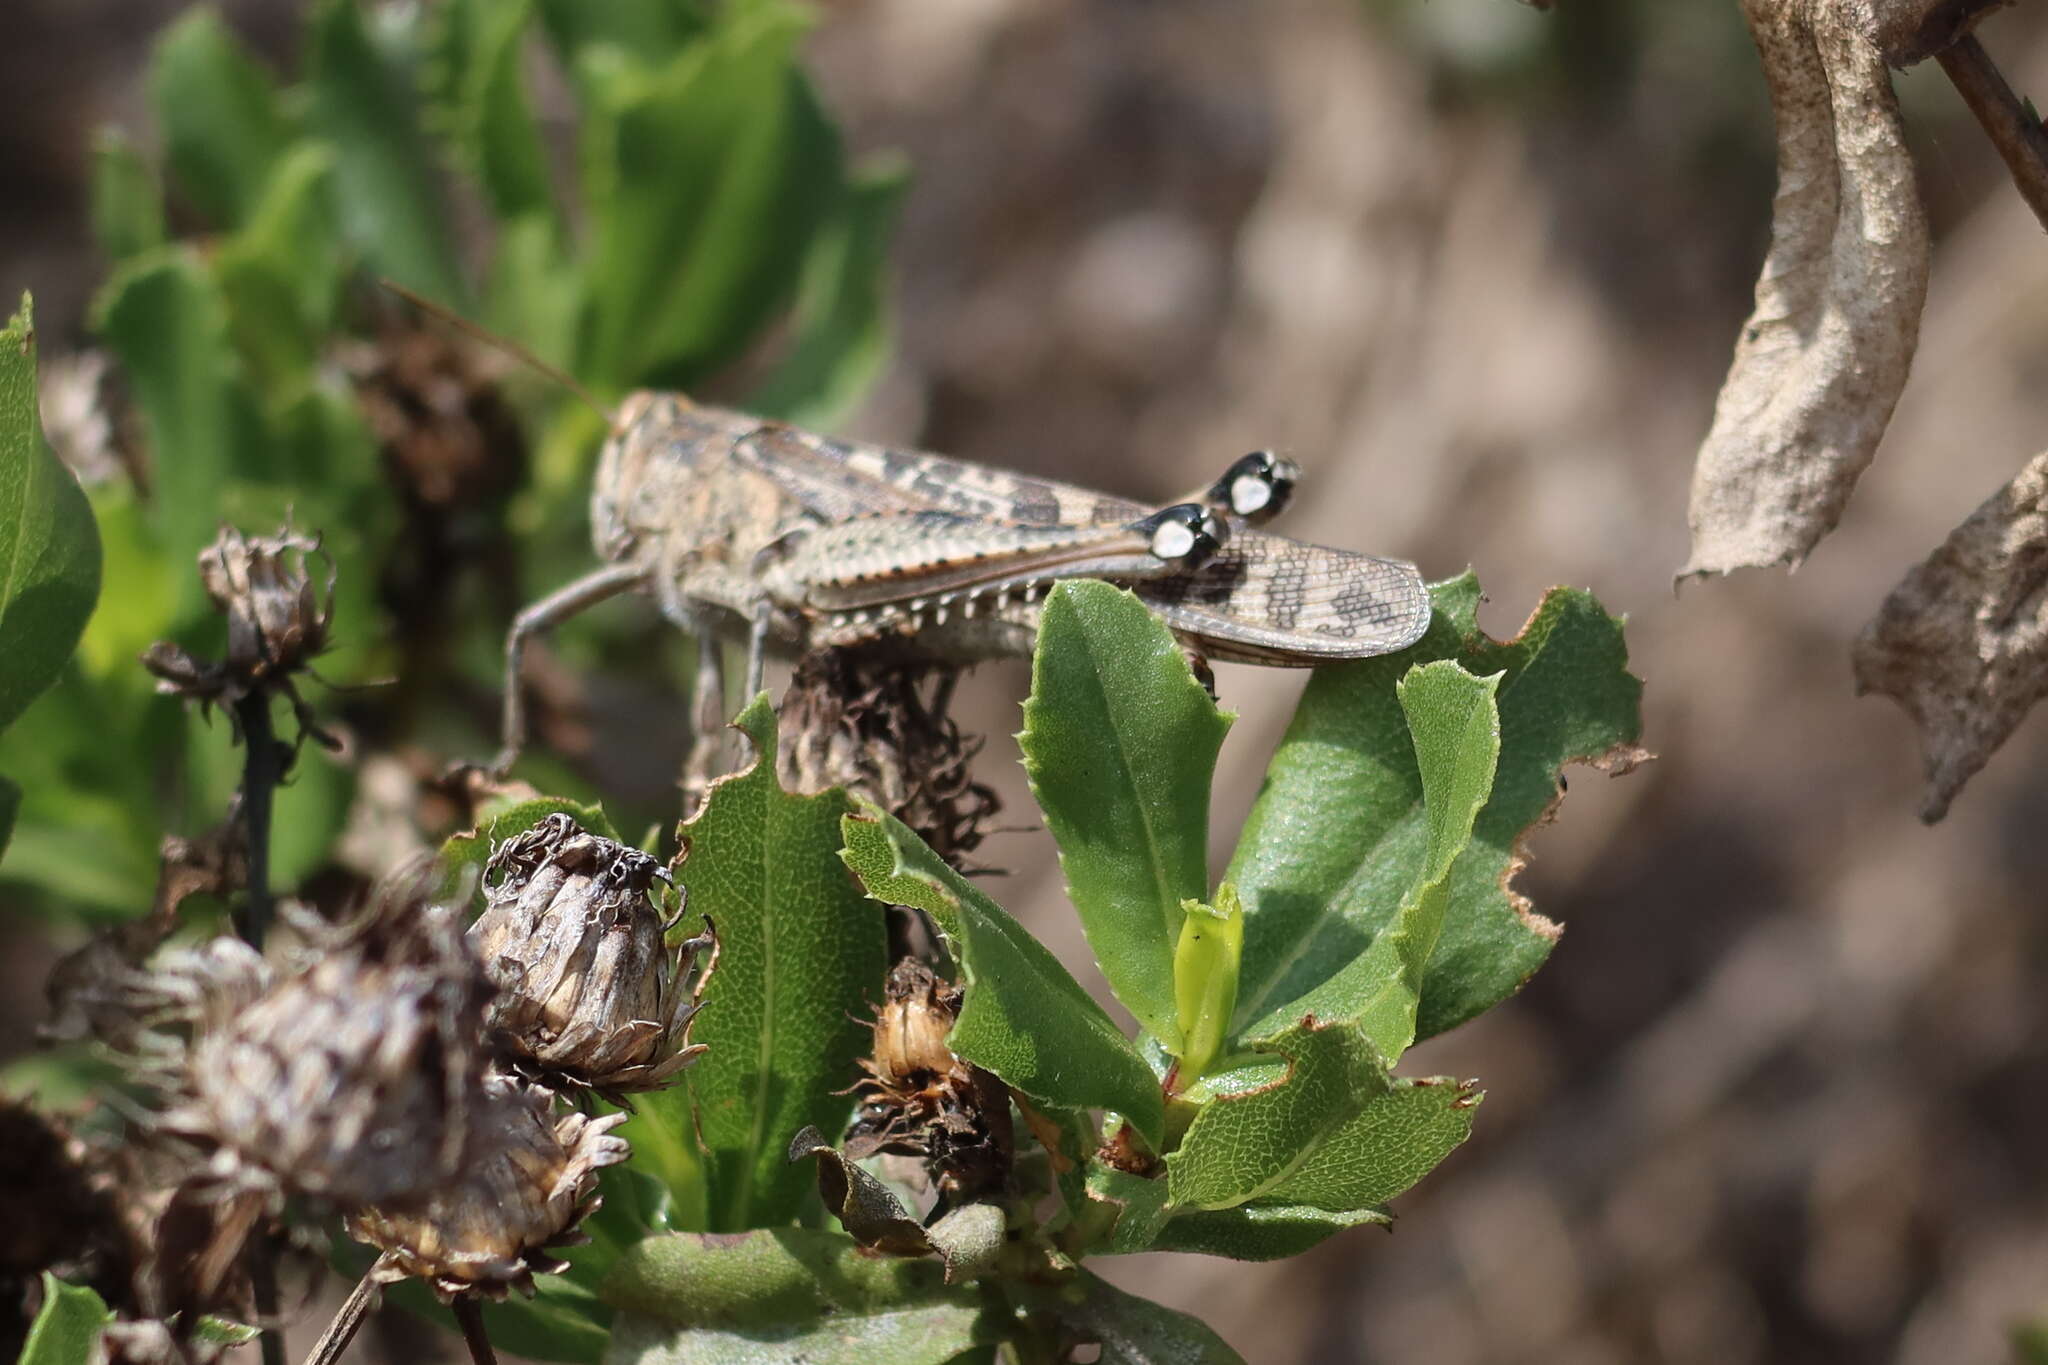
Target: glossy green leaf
point(1455, 728)
point(67, 1329)
point(841, 318)
point(223, 124)
point(482, 106)
point(127, 203)
point(164, 315)
point(1120, 744)
point(1129, 1330)
point(802, 958)
point(386, 195)
point(1024, 1018)
point(1245, 1146)
point(788, 1295)
point(705, 179)
point(49, 546)
point(1339, 832)
point(1399, 1138)
point(1263, 1231)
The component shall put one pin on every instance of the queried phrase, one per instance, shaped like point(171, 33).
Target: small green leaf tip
point(1205, 979)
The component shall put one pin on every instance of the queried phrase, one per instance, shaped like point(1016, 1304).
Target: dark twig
point(2016, 133)
point(469, 1315)
point(262, 1256)
point(342, 1330)
point(261, 770)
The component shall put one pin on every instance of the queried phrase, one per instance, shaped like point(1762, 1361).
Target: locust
point(807, 542)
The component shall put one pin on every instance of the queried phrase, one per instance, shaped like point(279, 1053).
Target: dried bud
point(918, 1099)
point(858, 718)
point(277, 618)
point(352, 1079)
point(589, 992)
point(532, 1179)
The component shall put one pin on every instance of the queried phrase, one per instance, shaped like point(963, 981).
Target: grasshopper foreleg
point(557, 607)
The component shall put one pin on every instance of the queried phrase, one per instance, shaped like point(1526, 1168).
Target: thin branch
point(469, 1315)
point(2013, 130)
point(262, 770)
point(342, 1330)
point(263, 1287)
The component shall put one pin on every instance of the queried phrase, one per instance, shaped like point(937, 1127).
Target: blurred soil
point(1782, 1092)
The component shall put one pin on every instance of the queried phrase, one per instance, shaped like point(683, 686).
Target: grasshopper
point(813, 542)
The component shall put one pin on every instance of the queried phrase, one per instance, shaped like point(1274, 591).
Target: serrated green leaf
point(386, 195)
point(1140, 1207)
point(1244, 1146)
point(164, 315)
point(222, 122)
point(1338, 832)
point(127, 204)
point(802, 955)
point(1129, 1330)
point(1455, 728)
point(841, 318)
point(482, 104)
point(1120, 745)
point(1399, 1138)
point(49, 545)
point(67, 1329)
point(705, 179)
point(1264, 1231)
point(788, 1295)
point(1024, 1018)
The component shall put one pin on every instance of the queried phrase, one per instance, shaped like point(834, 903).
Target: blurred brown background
point(1782, 1092)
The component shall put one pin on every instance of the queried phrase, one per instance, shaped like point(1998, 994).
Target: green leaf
point(164, 315)
point(1339, 831)
point(1399, 1138)
point(1130, 1330)
point(127, 204)
point(10, 806)
point(1244, 1146)
point(1024, 1018)
point(1263, 1231)
point(1456, 732)
point(386, 194)
point(1140, 1205)
point(646, 31)
point(222, 122)
point(841, 321)
point(1205, 977)
point(482, 103)
point(49, 546)
point(788, 1295)
point(67, 1330)
point(1120, 744)
point(706, 179)
point(802, 953)
point(281, 274)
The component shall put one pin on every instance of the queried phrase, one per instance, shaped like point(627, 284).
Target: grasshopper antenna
point(504, 345)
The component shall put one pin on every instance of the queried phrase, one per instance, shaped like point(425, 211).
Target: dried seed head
point(277, 617)
point(351, 1079)
point(590, 994)
point(918, 1099)
point(532, 1179)
point(859, 719)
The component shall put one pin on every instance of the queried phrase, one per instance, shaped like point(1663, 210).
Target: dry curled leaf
point(1821, 360)
point(1907, 31)
point(1962, 642)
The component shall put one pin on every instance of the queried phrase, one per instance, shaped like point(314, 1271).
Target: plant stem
point(342, 1330)
point(261, 772)
point(2017, 135)
point(263, 1289)
point(469, 1315)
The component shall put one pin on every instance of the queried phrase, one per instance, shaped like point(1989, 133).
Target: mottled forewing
point(1271, 600)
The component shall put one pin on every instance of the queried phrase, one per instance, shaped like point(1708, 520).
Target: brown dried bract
point(590, 994)
point(1962, 642)
point(858, 718)
point(531, 1179)
point(1822, 358)
point(918, 1099)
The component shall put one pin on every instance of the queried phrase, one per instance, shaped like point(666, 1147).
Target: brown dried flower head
point(918, 1099)
point(351, 1079)
point(532, 1179)
point(590, 993)
point(278, 618)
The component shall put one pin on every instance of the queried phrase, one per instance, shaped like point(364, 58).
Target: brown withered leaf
point(967, 1238)
point(1822, 358)
point(1962, 642)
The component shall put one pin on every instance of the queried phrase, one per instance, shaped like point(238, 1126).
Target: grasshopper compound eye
point(1185, 534)
point(1256, 487)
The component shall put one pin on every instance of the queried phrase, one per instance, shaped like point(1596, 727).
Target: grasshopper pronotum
point(814, 542)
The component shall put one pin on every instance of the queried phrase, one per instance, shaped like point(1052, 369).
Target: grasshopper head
point(1185, 535)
